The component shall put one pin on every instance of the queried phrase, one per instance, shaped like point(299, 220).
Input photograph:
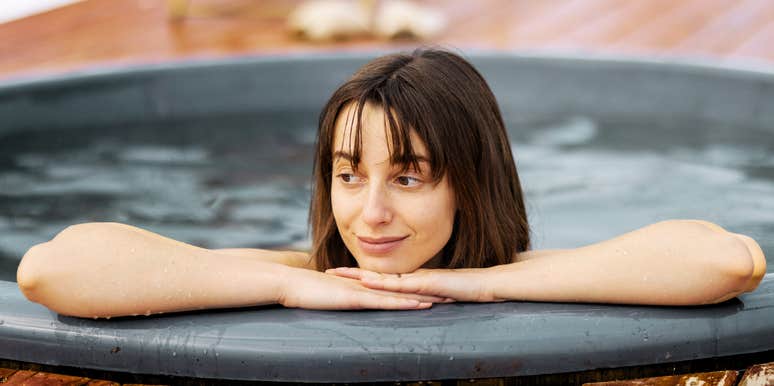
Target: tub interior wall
point(219, 154)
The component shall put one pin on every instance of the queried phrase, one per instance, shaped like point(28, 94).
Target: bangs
point(400, 121)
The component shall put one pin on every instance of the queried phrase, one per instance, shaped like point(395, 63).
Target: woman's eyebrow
point(348, 157)
point(420, 160)
point(341, 154)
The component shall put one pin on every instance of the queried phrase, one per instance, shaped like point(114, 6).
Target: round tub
point(218, 153)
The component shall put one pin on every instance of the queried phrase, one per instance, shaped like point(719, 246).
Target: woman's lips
point(379, 246)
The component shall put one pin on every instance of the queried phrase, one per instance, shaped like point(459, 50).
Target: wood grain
point(119, 32)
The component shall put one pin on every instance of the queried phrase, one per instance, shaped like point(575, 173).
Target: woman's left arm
point(675, 262)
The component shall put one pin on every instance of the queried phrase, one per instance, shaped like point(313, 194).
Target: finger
point(376, 301)
point(452, 285)
point(406, 295)
point(420, 297)
point(354, 273)
point(406, 284)
point(344, 272)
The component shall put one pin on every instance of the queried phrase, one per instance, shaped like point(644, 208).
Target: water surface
point(244, 181)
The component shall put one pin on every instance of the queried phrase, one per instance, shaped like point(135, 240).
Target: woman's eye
point(407, 181)
point(347, 178)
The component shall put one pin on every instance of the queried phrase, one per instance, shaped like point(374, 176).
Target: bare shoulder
point(297, 259)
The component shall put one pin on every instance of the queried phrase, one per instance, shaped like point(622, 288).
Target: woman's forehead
point(375, 132)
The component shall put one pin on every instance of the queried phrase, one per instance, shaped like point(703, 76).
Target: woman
point(416, 191)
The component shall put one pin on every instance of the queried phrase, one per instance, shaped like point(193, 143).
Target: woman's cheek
point(340, 207)
point(434, 215)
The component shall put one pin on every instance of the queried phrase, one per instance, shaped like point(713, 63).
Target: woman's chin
point(383, 265)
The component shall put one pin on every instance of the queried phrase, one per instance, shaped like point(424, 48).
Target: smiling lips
point(379, 246)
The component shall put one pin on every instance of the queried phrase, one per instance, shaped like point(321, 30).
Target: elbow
point(752, 266)
point(41, 263)
point(37, 282)
point(52, 273)
point(741, 269)
point(30, 275)
point(734, 262)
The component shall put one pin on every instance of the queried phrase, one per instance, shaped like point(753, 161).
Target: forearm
point(295, 259)
point(115, 270)
point(669, 263)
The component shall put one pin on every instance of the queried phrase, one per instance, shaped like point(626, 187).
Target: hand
point(468, 285)
point(315, 290)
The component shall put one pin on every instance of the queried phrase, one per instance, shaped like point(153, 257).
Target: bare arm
point(110, 269)
point(676, 262)
point(295, 259)
point(527, 255)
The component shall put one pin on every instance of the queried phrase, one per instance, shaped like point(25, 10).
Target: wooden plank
point(715, 378)
point(623, 20)
point(100, 382)
point(5, 373)
point(42, 378)
point(560, 20)
point(758, 45)
point(668, 29)
point(758, 375)
point(32, 377)
point(18, 377)
point(724, 33)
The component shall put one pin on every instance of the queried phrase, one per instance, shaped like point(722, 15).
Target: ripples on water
point(244, 182)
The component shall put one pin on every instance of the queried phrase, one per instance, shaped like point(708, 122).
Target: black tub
point(218, 154)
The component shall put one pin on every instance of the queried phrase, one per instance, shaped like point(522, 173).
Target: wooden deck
point(756, 375)
point(99, 32)
point(12, 377)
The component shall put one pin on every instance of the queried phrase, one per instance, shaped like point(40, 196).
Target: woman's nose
point(376, 208)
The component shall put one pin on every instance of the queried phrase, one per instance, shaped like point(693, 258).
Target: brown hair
point(447, 103)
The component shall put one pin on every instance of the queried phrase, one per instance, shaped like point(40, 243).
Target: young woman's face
point(391, 221)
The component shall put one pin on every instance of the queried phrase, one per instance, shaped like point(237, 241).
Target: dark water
point(244, 181)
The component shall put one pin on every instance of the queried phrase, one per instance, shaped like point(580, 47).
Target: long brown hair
point(447, 103)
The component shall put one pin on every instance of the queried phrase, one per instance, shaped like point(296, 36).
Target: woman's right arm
point(111, 269)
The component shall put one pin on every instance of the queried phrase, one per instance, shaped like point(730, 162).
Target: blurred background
point(61, 35)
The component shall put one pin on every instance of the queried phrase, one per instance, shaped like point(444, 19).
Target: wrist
point(501, 281)
point(281, 277)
